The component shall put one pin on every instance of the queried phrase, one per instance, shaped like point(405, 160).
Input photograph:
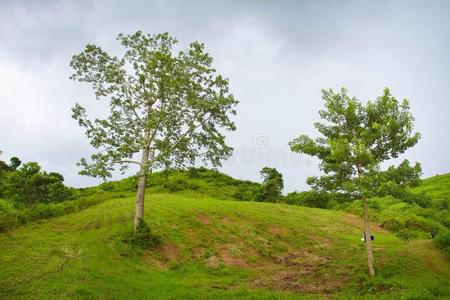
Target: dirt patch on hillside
point(162, 256)
point(226, 220)
point(213, 261)
point(299, 271)
point(277, 230)
point(203, 219)
point(170, 251)
point(232, 257)
point(301, 258)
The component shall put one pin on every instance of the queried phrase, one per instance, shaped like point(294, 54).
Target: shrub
point(142, 236)
point(421, 224)
point(8, 215)
point(442, 240)
point(392, 225)
point(309, 199)
point(420, 199)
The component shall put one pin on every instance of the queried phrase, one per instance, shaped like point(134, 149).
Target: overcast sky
point(278, 55)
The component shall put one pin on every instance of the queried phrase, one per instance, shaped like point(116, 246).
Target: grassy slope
point(211, 249)
point(437, 187)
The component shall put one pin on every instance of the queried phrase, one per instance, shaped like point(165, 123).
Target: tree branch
point(182, 136)
point(126, 162)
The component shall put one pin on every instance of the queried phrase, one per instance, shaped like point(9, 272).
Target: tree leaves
point(356, 139)
point(176, 99)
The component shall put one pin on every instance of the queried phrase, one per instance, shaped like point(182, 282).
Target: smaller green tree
point(356, 139)
point(14, 162)
point(272, 185)
point(30, 185)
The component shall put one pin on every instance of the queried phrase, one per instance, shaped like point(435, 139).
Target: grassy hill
point(212, 249)
point(436, 187)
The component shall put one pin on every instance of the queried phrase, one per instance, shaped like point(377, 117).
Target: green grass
point(212, 249)
point(437, 187)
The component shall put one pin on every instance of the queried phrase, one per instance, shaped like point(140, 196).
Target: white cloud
point(277, 56)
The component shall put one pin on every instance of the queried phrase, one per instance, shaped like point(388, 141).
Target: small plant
point(442, 240)
point(142, 236)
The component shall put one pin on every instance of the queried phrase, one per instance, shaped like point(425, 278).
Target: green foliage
point(203, 181)
point(15, 162)
point(272, 185)
point(170, 104)
point(30, 185)
point(8, 215)
point(142, 236)
point(355, 139)
point(309, 199)
point(442, 240)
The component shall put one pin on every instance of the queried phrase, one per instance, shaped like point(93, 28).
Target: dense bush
point(178, 182)
point(308, 198)
point(442, 240)
point(8, 215)
point(272, 185)
point(393, 225)
point(29, 185)
point(142, 236)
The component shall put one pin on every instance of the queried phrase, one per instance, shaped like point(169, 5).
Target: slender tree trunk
point(368, 237)
point(139, 213)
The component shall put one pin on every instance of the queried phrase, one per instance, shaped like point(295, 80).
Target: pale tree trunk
point(139, 213)
point(368, 237)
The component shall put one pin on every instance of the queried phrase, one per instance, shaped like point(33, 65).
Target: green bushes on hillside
point(8, 215)
point(314, 199)
point(30, 185)
point(442, 240)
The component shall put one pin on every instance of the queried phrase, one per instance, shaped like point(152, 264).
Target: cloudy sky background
point(278, 55)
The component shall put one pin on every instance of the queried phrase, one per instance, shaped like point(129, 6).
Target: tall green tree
point(170, 107)
point(272, 185)
point(355, 139)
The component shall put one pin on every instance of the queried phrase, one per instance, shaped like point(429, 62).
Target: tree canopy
point(355, 139)
point(173, 103)
point(272, 185)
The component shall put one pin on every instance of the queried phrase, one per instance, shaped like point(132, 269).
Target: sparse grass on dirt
point(211, 249)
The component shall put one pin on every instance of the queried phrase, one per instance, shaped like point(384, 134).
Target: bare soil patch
point(232, 260)
point(203, 219)
point(277, 230)
point(299, 272)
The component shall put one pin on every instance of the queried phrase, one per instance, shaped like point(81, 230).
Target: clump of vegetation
point(272, 185)
point(8, 215)
point(29, 185)
point(142, 236)
point(442, 240)
point(28, 193)
point(315, 199)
